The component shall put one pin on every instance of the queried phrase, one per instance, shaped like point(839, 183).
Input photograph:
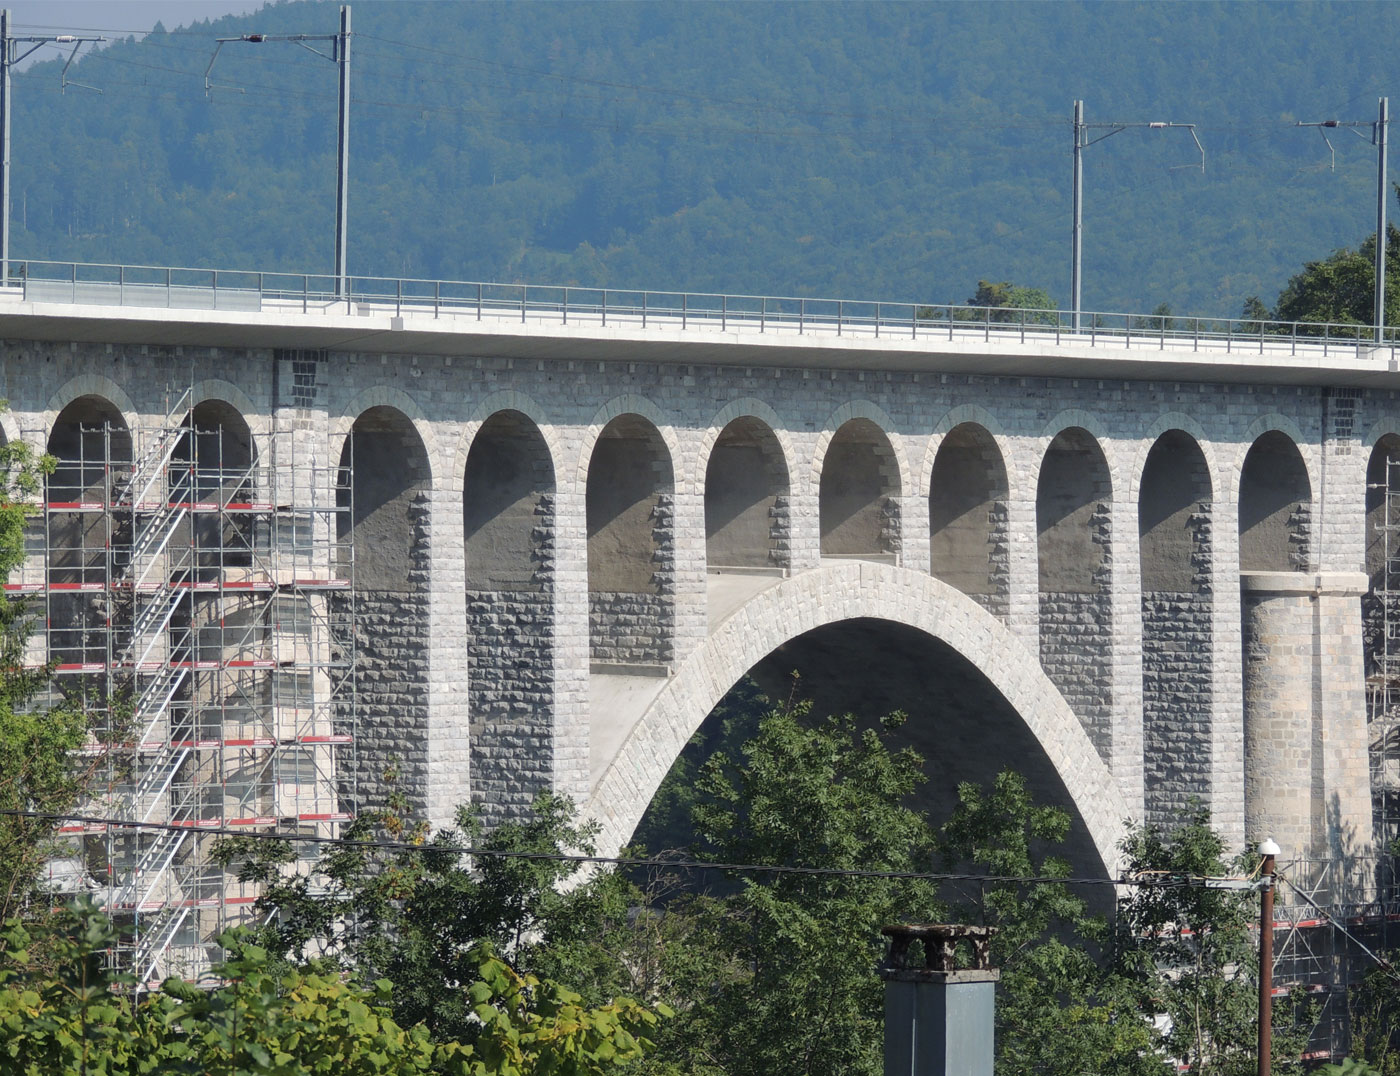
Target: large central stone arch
point(828, 595)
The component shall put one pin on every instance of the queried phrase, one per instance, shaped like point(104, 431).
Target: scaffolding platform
point(199, 601)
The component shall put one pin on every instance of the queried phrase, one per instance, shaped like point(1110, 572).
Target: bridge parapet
point(861, 331)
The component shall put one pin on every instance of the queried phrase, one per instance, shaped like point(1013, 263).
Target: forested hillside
point(899, 151)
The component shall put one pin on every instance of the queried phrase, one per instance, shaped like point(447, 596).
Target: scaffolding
point(1383, 679)
point(200, 602)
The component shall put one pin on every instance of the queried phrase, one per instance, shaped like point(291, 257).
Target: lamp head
point(1267, 847)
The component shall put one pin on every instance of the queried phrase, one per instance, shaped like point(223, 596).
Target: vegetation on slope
point(875, 150)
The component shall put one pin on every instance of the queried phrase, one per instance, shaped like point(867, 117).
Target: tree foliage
point(39, 770)
point(769, 149)
point(796, 990)
point(1190, 953)
point(1007, 302)
point(1339, 289)
point(70, 1014)
point(416, 916)
point(736, 972)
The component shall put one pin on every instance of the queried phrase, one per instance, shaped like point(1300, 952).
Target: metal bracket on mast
point(9, 56)
point(1082, 142)
point(340, 56)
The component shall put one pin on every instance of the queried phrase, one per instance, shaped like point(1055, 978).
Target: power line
point(1154, 880)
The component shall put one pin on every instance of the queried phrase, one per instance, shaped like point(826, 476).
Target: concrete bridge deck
point(1199, 349)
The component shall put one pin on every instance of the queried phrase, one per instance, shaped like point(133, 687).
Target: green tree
point(1160, 320)
point(69, 1013)
point(1373, 1005)
point(791, 984)
point(1255, 315)
point(416, 915)
point(1341, 288)
point(39, 769)
point(1188, 951)
point(1060, 1010)
point(1012, 303)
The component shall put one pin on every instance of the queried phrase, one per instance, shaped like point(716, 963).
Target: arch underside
point(977, 699)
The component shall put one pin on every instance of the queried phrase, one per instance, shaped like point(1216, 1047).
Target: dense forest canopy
point(898, 151)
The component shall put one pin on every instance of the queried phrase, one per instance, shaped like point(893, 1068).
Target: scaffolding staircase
point(202, 596)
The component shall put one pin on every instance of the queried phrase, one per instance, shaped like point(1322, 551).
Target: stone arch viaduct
point(1136, 572)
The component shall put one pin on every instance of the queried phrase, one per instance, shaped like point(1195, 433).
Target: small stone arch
point(1385, 446)
point(385, 514)
point(508, 527)
point(833, 593)
point(969, 516)
point(228, 393)
point(1171, 420)
point(1072, 418)
point(628, 404)
point(91, 444)
point(1175, 553)
point(748, 495)
point(1234, 462)
point(214, 467)
point(860, 493)
point(214, 388)
point(1275, 506)
point(859, 409)
point(1380, 429)
point(505, 400)
point(89, 385)
point(629, 497)
point(744, 407)
point(385, 398)
point(957, 416)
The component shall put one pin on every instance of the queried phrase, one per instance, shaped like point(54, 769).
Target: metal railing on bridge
point(252, 291)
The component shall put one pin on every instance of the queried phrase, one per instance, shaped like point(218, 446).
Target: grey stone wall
point(997, 601)
point(1076, 636)
point(1076, 633)
point(391, 651)
point(511, 698)
point(1177, 702)
point(638, 628)
point(780, 532)
point(391, 643)
point(630, 629)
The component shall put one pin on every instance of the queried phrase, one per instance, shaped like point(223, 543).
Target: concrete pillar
point(939, 1021)
point(1307, 775)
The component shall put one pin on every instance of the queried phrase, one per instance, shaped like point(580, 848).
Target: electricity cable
point(440, 848)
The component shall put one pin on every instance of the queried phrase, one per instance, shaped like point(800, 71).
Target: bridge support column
point(688, 576)
point(1307, 774)
point(572, 734)
point(1023, 585)
point(1125, 671)
point(449, 756)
